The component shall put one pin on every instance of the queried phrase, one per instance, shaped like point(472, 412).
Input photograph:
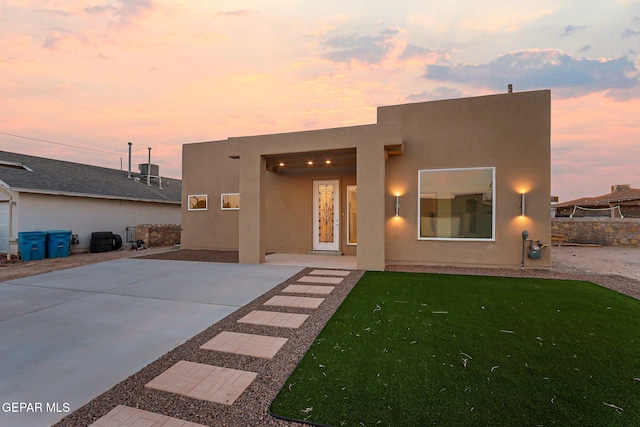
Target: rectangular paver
point(124, 416)
point(261, 346)
point(292, 301)
point(274, 318)
point(320, 279)
point(309, 289)
point(342, 273)
point(204, 382)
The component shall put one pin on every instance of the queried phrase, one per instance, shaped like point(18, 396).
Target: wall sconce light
point(522, 204)
point(397, 205)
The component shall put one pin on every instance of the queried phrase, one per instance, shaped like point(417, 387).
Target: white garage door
point(4, 226)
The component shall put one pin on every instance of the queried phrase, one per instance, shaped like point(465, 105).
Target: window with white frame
point(197, 202)
point(230, 201)
point(456, 204)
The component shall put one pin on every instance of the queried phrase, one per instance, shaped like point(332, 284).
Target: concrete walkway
point(316, 261)
point(68, 336)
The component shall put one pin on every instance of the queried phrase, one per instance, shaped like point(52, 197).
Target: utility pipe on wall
point(149, 169)
point(129, 175)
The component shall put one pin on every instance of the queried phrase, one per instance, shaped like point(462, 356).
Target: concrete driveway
point(68, 336)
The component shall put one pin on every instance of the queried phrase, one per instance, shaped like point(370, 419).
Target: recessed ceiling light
point(328, 162)
point(310, 162)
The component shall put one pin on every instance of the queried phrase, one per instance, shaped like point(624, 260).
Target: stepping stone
point(309, 289)
point(124, 416)
point(203, 382)
point(319, 279)
point(342, 273)
point(291, 301)
point(261, 346)
point(274, 318)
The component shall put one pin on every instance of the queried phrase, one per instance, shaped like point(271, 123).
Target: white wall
point(83, 215)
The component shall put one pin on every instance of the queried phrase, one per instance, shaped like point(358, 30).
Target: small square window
point(230, 201)
point(197, 202)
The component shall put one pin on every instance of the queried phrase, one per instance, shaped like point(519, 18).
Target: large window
point(456, 204)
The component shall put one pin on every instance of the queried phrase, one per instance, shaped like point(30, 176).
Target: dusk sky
point(99, 73)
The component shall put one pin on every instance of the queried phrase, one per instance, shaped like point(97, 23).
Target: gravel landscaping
point(251, 408)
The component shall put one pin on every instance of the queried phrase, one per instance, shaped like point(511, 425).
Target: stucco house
point(451, 182)
point(40, 194)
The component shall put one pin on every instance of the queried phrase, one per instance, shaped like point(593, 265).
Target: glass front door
point(326, 215)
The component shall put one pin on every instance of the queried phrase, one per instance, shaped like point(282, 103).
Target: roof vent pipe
point(129, 175)
point(149, 169)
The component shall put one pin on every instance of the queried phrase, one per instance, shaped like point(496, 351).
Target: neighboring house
point(622, 201)
point(39, 194)
point(430, 183)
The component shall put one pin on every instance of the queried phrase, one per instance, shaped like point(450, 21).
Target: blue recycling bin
point(58, 243)
point(32, 245)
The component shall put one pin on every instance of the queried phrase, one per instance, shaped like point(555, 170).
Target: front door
point(326, 215)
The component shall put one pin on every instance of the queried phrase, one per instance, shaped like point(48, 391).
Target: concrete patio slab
point(68, 336)
point(232, 284)
point(105, 275)
point(347, 262)
point(261, 346)
point(124, 416)
point(203, 382)
point(20, 300)
point(274, 318)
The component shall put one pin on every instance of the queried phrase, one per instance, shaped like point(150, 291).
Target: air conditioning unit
point(144, 169)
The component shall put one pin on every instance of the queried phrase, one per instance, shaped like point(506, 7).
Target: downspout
point(12, 203)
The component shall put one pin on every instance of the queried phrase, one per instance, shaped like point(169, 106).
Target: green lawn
point(427, 349)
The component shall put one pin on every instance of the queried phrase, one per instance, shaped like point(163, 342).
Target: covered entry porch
point(294, 189)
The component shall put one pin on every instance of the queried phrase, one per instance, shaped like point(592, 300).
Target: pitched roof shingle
point(614, 198)
point(20, 172)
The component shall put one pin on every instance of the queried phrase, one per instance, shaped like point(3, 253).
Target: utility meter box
point(534, 250)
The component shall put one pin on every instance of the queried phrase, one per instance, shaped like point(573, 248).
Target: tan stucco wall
point(509, 132)
point(206, 169)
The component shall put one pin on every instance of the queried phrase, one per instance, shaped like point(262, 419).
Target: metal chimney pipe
point(149, 169)
point(129, 175)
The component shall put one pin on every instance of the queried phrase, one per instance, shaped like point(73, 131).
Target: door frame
point(326, 246)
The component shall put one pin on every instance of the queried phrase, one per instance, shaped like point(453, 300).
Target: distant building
point(622, 201)
point(40, 194)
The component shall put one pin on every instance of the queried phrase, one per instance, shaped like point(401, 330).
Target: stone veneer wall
point(158, 234)
point(599, 231)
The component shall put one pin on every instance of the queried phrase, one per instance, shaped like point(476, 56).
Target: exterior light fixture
point(522, 204)
point(328, 162)
point(310, 162)
point(397, 205)
point(281, 164)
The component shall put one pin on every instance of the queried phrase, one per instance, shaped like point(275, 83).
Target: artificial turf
point(408, 349)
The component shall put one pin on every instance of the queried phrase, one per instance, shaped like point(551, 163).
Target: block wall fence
point(598, 231)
